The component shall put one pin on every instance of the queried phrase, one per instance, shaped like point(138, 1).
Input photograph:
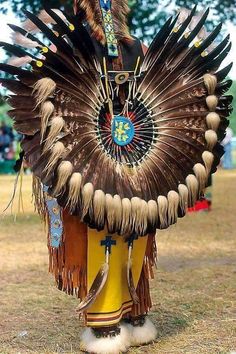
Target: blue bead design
point(55, 220)
point(112, 43)
point(122, 130)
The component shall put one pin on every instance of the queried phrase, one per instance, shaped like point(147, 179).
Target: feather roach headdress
point(128, 149)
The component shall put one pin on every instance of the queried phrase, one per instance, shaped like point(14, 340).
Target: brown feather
point(95, 289)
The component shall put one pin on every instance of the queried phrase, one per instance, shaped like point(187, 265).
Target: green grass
point(194, 292)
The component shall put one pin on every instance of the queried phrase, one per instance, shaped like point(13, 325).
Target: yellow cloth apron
point(114, 301)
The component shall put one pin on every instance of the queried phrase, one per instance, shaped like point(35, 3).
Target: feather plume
point(173, 204)
point(211, 138)
point(64, 171)
point(87, 195)
point(183, 194)
point(212, 102)
point(56, 126)
point(208, 159)
point(99, 201)
point(74, 189)
point(118, 210)
point(162, 208)
point(43, 89)
point(213, 121)
point(110, 212)
point(141, 223)
point(201, 175)
point(46, 110)
point(126, 216)
point(152, 212)
point(135, 209)
point(95, 289)
point(193, 187)
point(210, 82)
point(18, 62)
point(56, 153)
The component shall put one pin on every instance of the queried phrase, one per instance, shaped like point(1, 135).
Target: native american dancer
point(121, 142)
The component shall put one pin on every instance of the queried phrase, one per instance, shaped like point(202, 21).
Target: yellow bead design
point(71, 27)
point(197, 44)
point(45, 49)
point(39, 63)
point(120, 131)
point(176, 29)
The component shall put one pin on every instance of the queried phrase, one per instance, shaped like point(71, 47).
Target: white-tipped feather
point(46, 111)
point(213, 121)
point(193, 187)
point(64, 171)
point(99, 202)
point(135, 209)
point(126, 216)
point(57, 152)
point(183, 194)
point(56, 126)
point(152, 212)
point(208, 159)
point(118, 210)
point(143, 218)
point(87, 195)
point(18, 62)
point(210, 82)
point(201, 175)
point(173, 204)
point(74, 189)
point(212, 102)
point(29, 26)
point(43, 89)
point(162, 208)
point(23, 41)
point(211, 138)
point(110, 212)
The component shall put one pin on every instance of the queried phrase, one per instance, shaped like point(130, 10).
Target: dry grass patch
point(194, 293)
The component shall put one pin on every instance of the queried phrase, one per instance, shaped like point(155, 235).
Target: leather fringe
point(68, 262)
point(143, 288)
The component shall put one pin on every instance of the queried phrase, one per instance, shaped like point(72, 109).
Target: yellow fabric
point(114, 300)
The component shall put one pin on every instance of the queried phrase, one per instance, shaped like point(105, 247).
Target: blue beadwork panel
point(112, 43)
point(55, 219)
point(122, 130)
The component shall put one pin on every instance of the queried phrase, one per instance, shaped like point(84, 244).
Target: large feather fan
point(174, 103)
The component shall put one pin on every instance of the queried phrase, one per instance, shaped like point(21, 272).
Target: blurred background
point(194, 291)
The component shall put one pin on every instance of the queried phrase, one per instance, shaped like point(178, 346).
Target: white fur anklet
point(105, 345)
point(142, 334)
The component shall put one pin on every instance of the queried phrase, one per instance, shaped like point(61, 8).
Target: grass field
point(194, 293)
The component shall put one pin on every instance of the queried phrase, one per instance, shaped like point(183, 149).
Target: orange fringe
point(68, 263)
point(143, 289)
